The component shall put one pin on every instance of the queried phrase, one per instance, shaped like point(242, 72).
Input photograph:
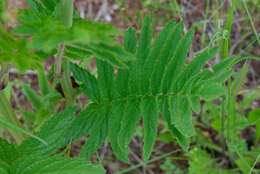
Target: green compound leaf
point(159, 81)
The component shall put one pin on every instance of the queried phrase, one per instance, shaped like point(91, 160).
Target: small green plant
point(169, 167)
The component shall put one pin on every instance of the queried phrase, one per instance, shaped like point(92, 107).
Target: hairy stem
point(62, 65)
point(66, 83)
point(58, 61)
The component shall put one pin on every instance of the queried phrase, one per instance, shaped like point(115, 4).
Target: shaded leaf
point(89, 86)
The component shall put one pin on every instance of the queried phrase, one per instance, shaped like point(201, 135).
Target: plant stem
point(66, 83)
point(67, 12)
point(58, 61)
point(225, 53)
point(62, 65)
point(222, 134)
point(225, 43)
